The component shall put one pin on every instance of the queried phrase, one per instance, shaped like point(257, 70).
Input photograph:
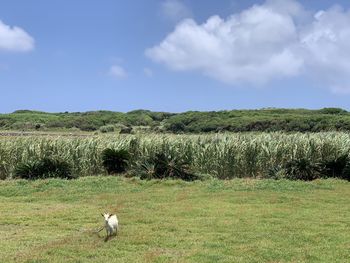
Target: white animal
point(111, 224)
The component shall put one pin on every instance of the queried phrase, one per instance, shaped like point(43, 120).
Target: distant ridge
point(266, 119)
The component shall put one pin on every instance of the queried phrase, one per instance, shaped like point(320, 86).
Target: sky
point(173, 55)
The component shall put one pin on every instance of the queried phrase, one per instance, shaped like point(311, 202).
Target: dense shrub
point(346, 172)
point(107, 128)
point(332, 111)
point(162, 166)
point(276, 172)
point(337, 168)
point(44, 168)
point(302, 169)
point(144, 169)
point(126, 130)
point(115, 161)
point(302, 120)
point(176, 127)
point(334, 167)
point(3, 172)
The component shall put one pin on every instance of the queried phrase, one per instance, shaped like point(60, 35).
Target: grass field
point(173, 221)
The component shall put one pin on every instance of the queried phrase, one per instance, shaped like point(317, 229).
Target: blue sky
point(173, 55)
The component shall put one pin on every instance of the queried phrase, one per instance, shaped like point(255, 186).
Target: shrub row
point(307, 170)
point(44, 168)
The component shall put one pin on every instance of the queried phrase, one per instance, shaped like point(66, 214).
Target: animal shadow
point(107, 238)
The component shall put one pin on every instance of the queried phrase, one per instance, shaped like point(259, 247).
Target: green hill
point(270, 119)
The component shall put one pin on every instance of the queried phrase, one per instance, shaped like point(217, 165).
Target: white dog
point(111, 224)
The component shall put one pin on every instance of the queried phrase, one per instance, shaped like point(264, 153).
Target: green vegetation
point(44, 168)
point(301, 120)
point(302, 169)
point(162, 166)
point(115, 161)
point(174, 221)
point(225, 156)
point(107, 128)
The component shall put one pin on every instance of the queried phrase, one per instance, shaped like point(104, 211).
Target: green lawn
point(173, 221)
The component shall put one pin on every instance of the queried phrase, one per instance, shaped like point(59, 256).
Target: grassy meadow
point(241, 220)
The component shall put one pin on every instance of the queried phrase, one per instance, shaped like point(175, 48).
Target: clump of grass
point(115, 161)
point(44, 168)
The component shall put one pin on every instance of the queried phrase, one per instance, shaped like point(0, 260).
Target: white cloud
point(327, 50)
point(15, 39)
point(148, 72)
point(254, 46)
point(117, 72)
point(274, 40)
point(175, 10)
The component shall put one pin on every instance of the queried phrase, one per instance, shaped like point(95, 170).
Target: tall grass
point(221, 155)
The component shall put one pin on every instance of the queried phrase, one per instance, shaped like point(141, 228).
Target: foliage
point(44, 168)
point(335, 167)
point(224, 156)
point(276, 172)
point(346, 172)
point(126, 130)
point(115, 161)
point(167, 166)
point(163, 166)
point(332, 111)
point(302, 169)
point(144, 169)
point(301, 120)
point(107, 128)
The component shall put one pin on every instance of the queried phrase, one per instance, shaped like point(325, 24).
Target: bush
point(126, 130)
point(3, 172)
point(176, 127)
point(145, 170)
point(337, 168)
point(346, 172)
point(44, 168)
point(115, 161)
point(107, 128)
point(332, 111)
point(276, 172)
point(334, 167)
point(162, 166)
point(302, 169)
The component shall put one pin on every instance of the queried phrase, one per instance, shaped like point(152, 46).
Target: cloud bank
point(15, 39)
point(277, 39)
